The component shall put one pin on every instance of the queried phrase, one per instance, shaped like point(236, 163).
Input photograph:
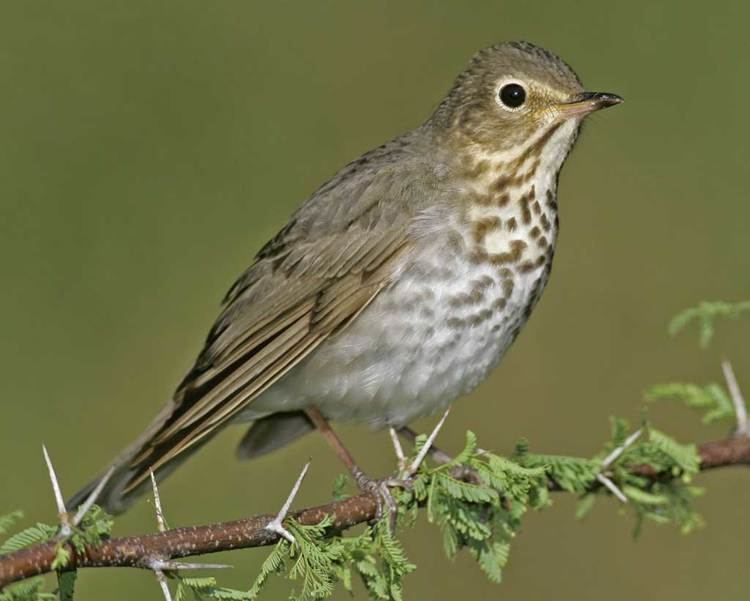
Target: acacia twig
point(139, 551)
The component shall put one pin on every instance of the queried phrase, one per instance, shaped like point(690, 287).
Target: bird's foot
point(381, 490)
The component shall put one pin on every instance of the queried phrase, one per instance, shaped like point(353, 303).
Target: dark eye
point(512, 95)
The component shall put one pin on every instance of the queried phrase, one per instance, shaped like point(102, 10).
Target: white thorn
point(398, 449)
point(610, 459)
point(65, 530)
point(612, 487)
point(55, 484)
point(169, 565)
point(276, 524)
point(91, 499)
point(437, 455)
point(740, 411)
point(162, 580)
point(414, 466)
point(162, 523)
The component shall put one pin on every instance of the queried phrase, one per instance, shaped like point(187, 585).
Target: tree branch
point(142, 551)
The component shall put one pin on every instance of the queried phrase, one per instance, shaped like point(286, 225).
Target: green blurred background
point(148, 148)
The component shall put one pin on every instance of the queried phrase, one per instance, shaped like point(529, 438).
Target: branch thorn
point(612, 487)
point(161, 522)
point(612, 457)
point(276, 524)
point(167, 565)
point(398, 449)
point(740, 410)
point(62, 512)
point(162, 580)
point(91, 499)
point(414, 466)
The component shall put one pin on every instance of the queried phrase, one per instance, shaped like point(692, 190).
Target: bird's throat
point(511, 208)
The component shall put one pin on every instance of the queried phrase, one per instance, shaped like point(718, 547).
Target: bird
point(397, 286)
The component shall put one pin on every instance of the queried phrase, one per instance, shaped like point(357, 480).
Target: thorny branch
point(167, 546)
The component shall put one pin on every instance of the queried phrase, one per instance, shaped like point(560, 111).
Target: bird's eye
point(512, 95)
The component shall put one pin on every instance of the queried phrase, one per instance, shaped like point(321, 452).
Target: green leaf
point(62, 556)
point(465, 491)
point(340, 485)
point(585, 505)
point(712, 399)
point(206, 588)
point(95, 526)
point(706, 314)
point(9, 520)
point(685, 456)
point(641, 496)
point(492, 559)
point(573, 474)
point(273, 564)
point(28, 590)
point(31, 535)
point(469, 450)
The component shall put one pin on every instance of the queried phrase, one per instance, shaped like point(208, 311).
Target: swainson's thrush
point(399, 284)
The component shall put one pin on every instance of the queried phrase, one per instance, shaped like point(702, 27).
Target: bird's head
point(515, 93)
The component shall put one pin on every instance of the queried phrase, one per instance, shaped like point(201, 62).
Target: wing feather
point(306, 285)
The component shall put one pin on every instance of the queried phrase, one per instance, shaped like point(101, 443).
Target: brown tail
point(265, 435)
point(117, 495)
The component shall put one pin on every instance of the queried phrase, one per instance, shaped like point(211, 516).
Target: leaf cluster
point(705, 315)
point(669, 497)
point(318, 561)
point(95, 526)
point(31, 589)
point(712, 399)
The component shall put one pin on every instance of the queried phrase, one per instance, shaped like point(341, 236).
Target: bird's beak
point(588, 102)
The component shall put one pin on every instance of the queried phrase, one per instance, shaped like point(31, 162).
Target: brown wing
point(303, 287)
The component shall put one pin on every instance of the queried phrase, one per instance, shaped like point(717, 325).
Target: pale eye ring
point(511, 95)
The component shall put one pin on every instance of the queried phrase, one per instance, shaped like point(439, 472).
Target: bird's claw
point(381, 490)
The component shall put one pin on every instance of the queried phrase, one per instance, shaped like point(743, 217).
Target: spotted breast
point(457, 304)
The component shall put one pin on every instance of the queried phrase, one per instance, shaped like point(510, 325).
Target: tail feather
point(117, 496)
point(129, 479)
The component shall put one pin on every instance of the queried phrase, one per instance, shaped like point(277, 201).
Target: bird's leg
point(378, 487)
point(333, 440)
